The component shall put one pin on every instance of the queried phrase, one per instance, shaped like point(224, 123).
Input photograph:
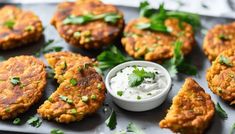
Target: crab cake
point(18, 27)
point(153, 45)
point(92, 34)
point(221, 76)
point(191, 110)
point(22, 81)
point(218, 39)
point(81, 91)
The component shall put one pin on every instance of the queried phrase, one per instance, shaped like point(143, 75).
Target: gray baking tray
point(94, 124)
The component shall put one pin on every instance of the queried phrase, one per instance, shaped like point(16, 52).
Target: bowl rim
point(117, 68)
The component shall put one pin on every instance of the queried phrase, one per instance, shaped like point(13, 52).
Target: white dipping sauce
point(148, 88)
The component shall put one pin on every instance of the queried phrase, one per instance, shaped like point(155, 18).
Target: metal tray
point(94, 124)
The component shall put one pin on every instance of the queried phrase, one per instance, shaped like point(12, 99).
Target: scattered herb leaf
point(134, 128)
point(9, 23)
point(56, 131)
point(111, 122)
point(220, 111)
point(85, 98)
point(34, 121)
point(119, 93)
point(16, 121)
point(73, 82)
point(110, 58)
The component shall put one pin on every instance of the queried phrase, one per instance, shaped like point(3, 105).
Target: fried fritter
point(191, 110)
point(156, 46)
point(93, 34)
point(22, 81)
point(218, 39)
point(18, 27)
point(221, 76)
point(81, 91)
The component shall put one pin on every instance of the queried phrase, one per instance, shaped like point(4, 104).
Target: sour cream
point(148, 88)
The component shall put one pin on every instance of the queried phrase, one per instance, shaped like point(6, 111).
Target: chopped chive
point(99, 86)
point(225, 61)
point(93, 97)
point(73, 111)
point(120, 93)
point(66, 99)
point(73, 81)
point(77, 34)
point(34, 121)
point(15, 80)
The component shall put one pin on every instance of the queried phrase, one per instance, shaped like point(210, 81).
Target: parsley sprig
point(137, 76)
point(157, 19)
point(110, 58)
point(111, 121)
point(177, 63)
point(107, 17)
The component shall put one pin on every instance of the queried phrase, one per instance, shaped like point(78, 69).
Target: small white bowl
point(138, 105)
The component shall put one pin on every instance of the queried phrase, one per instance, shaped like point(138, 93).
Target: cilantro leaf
point(108, 17)
point(34, 121)
point(145, 9)
point(177, 63)
point(134, 128)
point(110, 58)
point(56, 131)
point(225, 61)
point(220, 111)
point(111, 122)
point(137, 77)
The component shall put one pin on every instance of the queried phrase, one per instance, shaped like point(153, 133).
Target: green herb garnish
point(73, 82)
point(15, 80)
point(134, 128)
point(111, 121)
point(16, 121)
point(137, 77)
point(73, 111)
point(225, 61)
point(223, 37)
point(56, 131)
point(93, 97)
point(119, 93)
point(107, 17)
point(220, 111)
point(177, 64)
point(110, 58)
point(66, 99)
point(29, 28)
point(34, 121)
point(10, 23)
point(157, 19)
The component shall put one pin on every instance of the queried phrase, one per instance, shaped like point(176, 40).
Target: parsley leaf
point(9, 23)
point(137, 77)
point(111, 122)
point(34, 121)
point(108, 17)
point(16, 121)
point(220, 111)
point(225, 61)
point(56, 131)
point(177, 64)
point(134, 128)
point(15, 80)
point(157, 19)
point(110, 58)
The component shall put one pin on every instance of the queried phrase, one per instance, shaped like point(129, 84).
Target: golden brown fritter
point(221, 76)
point(22, 81)
point(18, 27)
point(221, 37)
point(156, 46)
point(93, 34)
point(81, 91)
point(191, 110)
